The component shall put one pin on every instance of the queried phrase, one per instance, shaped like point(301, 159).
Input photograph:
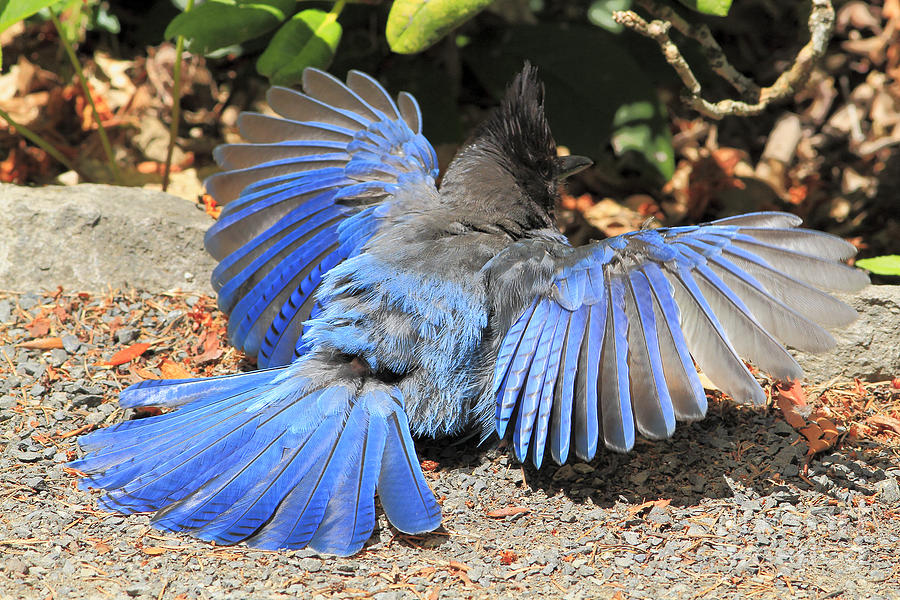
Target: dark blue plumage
point(385, 307)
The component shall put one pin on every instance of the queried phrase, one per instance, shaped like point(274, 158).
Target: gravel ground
point(728, 508)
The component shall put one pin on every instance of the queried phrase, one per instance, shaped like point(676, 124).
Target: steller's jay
point(384, 307)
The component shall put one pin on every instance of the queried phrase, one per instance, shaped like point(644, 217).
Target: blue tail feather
point(285, 457)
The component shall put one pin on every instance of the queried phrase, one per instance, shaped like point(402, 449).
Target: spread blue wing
point(600, 342)
point(307, 191)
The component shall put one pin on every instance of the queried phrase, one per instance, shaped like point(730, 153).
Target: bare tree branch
point(711, 49)
point(821, 23)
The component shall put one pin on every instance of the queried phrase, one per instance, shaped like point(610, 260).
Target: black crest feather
point(519, 128)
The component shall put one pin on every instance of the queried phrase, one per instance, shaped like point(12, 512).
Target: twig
point(821, 23)
point(711, 49)
point(87, 94)
point(176, 103)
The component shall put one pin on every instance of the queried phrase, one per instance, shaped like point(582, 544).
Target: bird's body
point(413, 309)
point(385, 307)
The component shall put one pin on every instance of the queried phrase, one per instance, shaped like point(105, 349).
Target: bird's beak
point(566, 166)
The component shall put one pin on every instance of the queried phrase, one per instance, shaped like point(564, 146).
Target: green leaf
point(600, 13)
point(13, 11)
point(220, 23)
point(881, 265)
point(309, 39)
point(637, 128)
point(718, 8)
point(611, 100)
point(414, 25)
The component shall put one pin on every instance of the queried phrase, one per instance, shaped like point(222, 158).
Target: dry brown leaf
point(38, 327)
point(788, 398)
point(144, 373)
point(507, 512)
point(819, 430)
point(612, 218)
point(172, 370)
point(46, 343)
point(661, 503)
point(885, 423)
point(211, 349)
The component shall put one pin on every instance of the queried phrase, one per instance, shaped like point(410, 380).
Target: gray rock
point(126, 335)
point(15, 565)
point(58, 356)
point(95, 236)
point(868, 348)
point(28, 456)
point(888, 491)
point(313, 565)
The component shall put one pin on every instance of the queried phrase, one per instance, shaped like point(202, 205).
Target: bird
point(382, 307)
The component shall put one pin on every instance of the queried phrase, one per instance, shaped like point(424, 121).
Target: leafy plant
point(309, 39)
point(881, 265)
point(223, 23)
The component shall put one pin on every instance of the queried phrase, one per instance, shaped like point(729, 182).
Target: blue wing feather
point(407, 501)
point(654, 416)
point(586, 426)
point(533, 385)
point(520, 363)
point(547, 389)
point(338, 149)
point(615, 395)
point(564, 392)
point(682, 382)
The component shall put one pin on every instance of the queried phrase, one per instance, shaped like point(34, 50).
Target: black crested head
point(519, 132)
point(509, 169)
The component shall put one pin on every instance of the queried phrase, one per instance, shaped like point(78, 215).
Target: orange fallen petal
point(811, 432)
point(816, 446)
point(127, 354)
point(212, 209)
